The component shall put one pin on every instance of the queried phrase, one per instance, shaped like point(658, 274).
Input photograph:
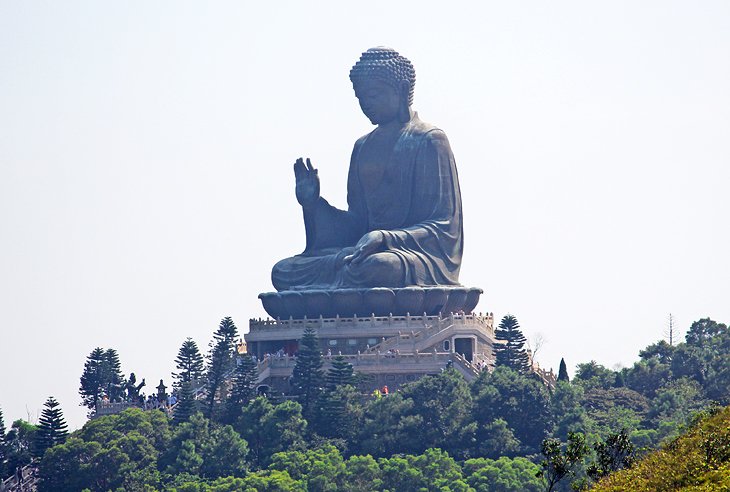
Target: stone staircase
point(29, 483)
point(437, 331)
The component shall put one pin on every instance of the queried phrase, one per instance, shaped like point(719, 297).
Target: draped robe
point(417, 207)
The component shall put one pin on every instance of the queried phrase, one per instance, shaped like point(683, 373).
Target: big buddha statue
point(403, 225)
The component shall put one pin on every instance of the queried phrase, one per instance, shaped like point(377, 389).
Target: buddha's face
point(379, 101)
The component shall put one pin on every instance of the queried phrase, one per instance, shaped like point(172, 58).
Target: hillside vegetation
point(696, 461)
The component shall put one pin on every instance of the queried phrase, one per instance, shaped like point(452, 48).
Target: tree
point(321, 468)
point(68, 466)
point(19, 444)
point(594, 375)
point(503, 475)
point(243, 388)
point(340, 374)
point(613, 454)
point(220, 361)
point(389, 427)
point(113, 379)
point(647, 376)
point(511, 353)
point(186, 404)
point(521, 400)
point(189, 362)
point(563, 371)
point(270, 429)
point(102, 375)
point(307, 377)
point(498, 440)
point(558, 462)
point(660, 350)
point(52, 428)
point(568, 413)
point(703, 331)
point(3, 450)
point(443, 404)
point(92, 379)
point(111, 452)
point(340, 413)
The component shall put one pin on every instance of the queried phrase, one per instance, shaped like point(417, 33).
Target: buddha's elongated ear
point(404, 91)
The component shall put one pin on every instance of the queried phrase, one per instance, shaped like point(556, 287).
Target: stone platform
point(393, 350)
point(370, 302)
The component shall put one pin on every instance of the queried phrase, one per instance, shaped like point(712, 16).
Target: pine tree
point(52, 428)
point(511, 353)
point(3, 446)
point(92, 378)
point(340, 374)
point(102, 374)
point(2, 428)
point(563, 372)
point(243, 388)
point(307, 375)
point(186, 404)
point(113, 377)
point(220, 362)
point(189, 362)
point(338, 402)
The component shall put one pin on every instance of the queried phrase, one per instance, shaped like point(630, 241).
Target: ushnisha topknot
point(387, 65)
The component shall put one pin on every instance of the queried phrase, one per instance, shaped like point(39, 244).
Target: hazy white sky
point(146, 150)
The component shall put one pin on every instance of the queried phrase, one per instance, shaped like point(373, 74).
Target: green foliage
point(498, 440)
point(220, 363)
point(613, 454)
point(511, 353)
point(569, 413)
point(307, 376)
point(189, 362)
point(615, 408)
point(186, 404)
point(389, 426)
point(340, 414)
point(268, 481)
point(592, 375)
point(243, 388)
point(647, 376)
point(339, 374)
point(362, 474)
point(102, 375)
point(677, 402)
point(521, 400)
point(696, 461)
point(69, 466)
point(270, 429)
point(203, 449)
point(3, 448)
point(321, 469)
point(109, 452)
point(660, 351)
point(52, 428)
point(434, 470)
point(563, 372)
point(442, 404)
point(503, 475)
point(413, 433)
point(19, 444)
point(561, 460)
point(431, 412)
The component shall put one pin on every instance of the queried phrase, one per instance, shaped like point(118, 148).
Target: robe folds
point(417, 207)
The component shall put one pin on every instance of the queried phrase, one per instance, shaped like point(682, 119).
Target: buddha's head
point(383, 81)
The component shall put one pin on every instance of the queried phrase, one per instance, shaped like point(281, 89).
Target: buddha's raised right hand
point(307, 187)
